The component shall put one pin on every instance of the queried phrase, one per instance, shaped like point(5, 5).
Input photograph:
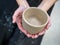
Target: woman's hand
point(19, 23)
point(18, 13)
point(17, 18)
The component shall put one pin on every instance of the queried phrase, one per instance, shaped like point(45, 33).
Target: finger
point(36, 36)
point(19, 20)
point(41, 33)
point(33, 36)
point(16, 13)
point(28, 35)
point(48, 25)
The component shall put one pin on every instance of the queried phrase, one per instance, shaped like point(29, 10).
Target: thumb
point(14, 19)
point(17, 12)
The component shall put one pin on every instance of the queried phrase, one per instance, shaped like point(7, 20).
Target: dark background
point(9, 32)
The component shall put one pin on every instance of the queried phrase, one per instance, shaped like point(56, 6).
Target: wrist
point(22, 3)
point(41, 7)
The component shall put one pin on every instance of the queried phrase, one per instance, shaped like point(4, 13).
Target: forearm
point(46, 4)
point(22, 3)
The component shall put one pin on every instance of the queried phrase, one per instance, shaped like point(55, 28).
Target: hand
point(18, 13)
point(19, 23)
point(17, 18)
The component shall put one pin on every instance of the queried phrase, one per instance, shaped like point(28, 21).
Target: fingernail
point(28, 35)
point(13, 21)
point(36, 36)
